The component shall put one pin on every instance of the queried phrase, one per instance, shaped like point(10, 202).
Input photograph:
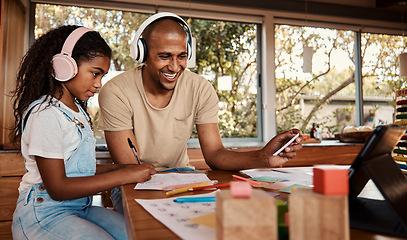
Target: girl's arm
point(104, 168)
point(60, 187)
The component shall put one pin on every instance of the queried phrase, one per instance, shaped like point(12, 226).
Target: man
point(157, 105)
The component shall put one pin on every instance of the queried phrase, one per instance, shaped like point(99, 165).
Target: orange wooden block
point(331, 181)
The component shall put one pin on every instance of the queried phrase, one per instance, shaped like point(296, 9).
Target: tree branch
point(292, 101)
point(324, 99)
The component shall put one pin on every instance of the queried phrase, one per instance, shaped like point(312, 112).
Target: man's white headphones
point(65, 66)
point(138, 48)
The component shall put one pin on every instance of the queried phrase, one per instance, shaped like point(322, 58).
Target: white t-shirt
point(49, 134)
point(162, 134)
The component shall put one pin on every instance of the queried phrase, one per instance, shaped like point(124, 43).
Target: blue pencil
point(194, 199)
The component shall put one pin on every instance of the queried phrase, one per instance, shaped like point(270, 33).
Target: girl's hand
point(276, 143)
point(138, 173)
point(60, 187)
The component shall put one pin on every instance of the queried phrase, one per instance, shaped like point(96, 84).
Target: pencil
point(134, 149)
point(286, 145)
point(209, 187)
point(194, 199)
point(173, 187)
point(245, 179)
point(185, 189)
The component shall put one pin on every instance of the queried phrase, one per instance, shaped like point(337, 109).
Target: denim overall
point(38, 216)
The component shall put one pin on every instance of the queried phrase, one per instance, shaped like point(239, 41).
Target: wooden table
point(142, 225)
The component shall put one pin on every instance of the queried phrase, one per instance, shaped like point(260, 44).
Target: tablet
point(374, 162)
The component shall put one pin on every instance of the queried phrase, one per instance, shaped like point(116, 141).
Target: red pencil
point(210, 186)
point(245, 179)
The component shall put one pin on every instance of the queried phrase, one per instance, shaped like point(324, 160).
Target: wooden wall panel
point(11, 164)
point(12, 33)
point(8, 196)
point(5, 230)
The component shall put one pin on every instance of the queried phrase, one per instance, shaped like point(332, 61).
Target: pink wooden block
point(240, 189)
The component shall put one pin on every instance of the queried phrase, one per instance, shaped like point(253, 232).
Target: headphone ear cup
point(142, 50)
point(133, 50)
point(189, 50)
point(143, 58)
point(65, 67)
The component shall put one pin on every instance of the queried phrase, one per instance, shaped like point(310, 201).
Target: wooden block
point(331, 181)
point(317, 216)
point(282, 209)
point(246, 218)
point(282, 219)
point(240, 189)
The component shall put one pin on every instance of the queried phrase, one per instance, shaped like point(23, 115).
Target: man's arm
point(119, 148)
point(218, 157)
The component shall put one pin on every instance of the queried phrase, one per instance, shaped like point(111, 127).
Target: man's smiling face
point(167, 54)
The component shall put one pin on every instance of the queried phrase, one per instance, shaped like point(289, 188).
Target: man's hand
point(276, 143)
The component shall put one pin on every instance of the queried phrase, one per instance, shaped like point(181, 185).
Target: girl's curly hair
point(35, 77)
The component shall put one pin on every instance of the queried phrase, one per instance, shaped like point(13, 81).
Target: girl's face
point(88, 80)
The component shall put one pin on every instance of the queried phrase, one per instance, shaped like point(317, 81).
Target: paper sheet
point(158, 181)
point(175, 216)
point(290, 188)
point(303, 177)
point(279, 185)
point(298, 176)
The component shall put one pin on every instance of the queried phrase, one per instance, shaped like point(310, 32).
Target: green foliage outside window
point(333, 74)
point(223, 49)
point(228, 49)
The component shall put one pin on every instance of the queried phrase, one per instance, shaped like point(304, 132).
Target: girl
point(57, 142)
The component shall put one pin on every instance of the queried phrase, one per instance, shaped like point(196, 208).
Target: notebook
point(374, 162)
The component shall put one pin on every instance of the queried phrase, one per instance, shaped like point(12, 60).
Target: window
point(226, 56)
point(380, 76)
point(226, 53)
point(326, 96)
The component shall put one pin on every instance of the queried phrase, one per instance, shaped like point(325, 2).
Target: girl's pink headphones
point(65, 66)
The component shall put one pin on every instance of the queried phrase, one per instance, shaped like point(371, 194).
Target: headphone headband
point(138, 48)
point(65, 66)
point(71, 40)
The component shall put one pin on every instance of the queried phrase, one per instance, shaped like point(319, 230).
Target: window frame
point(266, 18)
point(193, 142)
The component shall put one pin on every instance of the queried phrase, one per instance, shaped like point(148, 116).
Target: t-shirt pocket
point(183, 127)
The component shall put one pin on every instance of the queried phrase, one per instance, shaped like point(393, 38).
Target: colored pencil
point(210, 187)
point(245, 179)
point(173, 187)
point(185, 189)
point(194, 199)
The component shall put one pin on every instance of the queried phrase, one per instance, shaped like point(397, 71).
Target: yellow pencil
point(185, 189)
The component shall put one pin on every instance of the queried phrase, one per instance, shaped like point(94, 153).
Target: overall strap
point(69, 115)
point(53, 103)
point(29, 110)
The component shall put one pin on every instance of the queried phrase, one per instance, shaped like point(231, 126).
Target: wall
point(12, 32)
